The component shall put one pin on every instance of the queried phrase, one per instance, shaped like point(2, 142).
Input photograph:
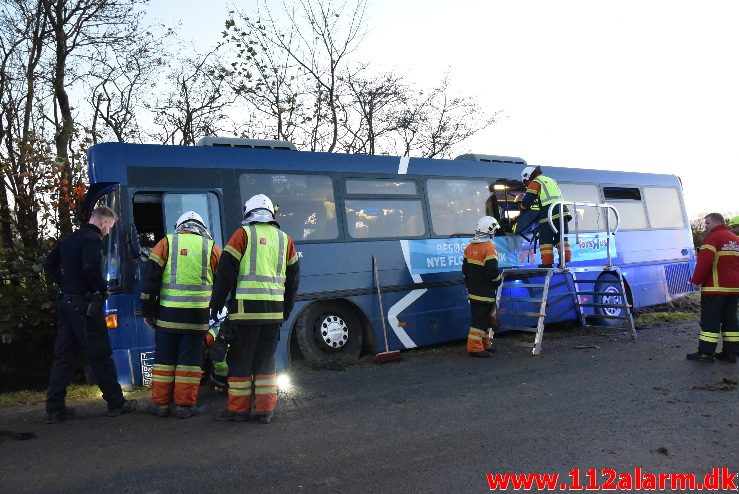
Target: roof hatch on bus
point(491, 158)
point(235, 142)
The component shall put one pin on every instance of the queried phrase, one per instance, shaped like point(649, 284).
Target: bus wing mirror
point(132, 243)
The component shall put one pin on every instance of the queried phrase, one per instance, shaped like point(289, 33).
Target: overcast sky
point(650, 85)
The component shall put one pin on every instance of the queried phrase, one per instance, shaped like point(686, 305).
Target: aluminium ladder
point(612, 304)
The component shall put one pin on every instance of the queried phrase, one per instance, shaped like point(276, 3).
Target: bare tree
point(196, 103)
point(264, 78)
point(24, 34)
point(371, 114)
point(120, 80)
point(312, 47)
point(432, 124)
point(81, 27)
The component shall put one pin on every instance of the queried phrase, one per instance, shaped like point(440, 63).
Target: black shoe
point(700, 356)
point(229, 416)
point(127, 407)
point(482, 354)
point(56, 417)
point(726, 357)
point(545, 266)
point(266, 418)
point(191, 411)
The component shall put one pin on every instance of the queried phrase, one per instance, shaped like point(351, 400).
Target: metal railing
point(575, 205)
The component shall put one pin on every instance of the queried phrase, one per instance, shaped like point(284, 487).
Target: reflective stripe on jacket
point(262, 268)
point(187, 280)
point(480, 270)
point(717, 270)
point(550, 192)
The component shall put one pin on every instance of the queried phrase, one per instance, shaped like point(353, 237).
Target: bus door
point(155, 213)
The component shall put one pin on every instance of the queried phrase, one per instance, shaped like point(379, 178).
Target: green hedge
point(27, 323)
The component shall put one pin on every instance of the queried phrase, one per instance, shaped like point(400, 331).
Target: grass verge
point(75, 392)
point(662, 318)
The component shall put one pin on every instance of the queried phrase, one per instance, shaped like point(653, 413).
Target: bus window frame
point(680, 203)
point(420, 195)
point(218, 191)
point(616, 202)
point(335, 178)
point(430, 231)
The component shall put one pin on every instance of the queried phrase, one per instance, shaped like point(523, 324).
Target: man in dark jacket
point(76, 265)
point(717, 272)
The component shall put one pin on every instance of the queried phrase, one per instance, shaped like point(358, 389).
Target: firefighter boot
point(700, 357)
point(229, 416)
point(266, 418)
point(726, 357)
point(185, 412)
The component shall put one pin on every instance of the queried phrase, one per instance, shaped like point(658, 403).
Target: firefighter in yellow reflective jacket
point(260, 269)
point(541, 193)
point(482, 276)
point(174, 298)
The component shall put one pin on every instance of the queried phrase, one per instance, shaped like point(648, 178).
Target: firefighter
point(175, 296)
point(482, 276)
point(260, 268)
point(717, 272)
point(541, 193)
point(734, 225)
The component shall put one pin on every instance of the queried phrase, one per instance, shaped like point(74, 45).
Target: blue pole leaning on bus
point(176, 291)
point(260, 267)
point(717, 272)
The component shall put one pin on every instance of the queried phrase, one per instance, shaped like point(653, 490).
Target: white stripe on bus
point(403, 166)
point(392, 316)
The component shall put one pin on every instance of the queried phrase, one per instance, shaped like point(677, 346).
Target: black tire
point(327, 332)
point(611, 284)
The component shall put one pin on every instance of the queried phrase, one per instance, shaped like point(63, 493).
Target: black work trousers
point(718, 318)
point(546, 234)
point(252, 349)
point(78, 335)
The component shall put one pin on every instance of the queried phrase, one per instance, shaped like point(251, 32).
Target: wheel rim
point(333, 332)
point(615, 299)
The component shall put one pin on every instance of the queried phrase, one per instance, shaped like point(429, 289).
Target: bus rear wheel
point(610, 285)
point(329, 331)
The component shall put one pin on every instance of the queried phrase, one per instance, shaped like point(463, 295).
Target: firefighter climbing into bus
point(542, 194)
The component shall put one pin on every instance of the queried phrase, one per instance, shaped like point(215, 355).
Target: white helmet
point(259, 202)
point(189, 216)
point(527, 172)
point(487, 226)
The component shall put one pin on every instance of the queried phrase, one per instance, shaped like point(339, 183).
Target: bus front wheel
point(329, 331)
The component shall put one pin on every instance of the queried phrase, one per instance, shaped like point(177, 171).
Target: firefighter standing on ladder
point(260, 266)
point(482, 276)
point(175, 297)
point(542, 192)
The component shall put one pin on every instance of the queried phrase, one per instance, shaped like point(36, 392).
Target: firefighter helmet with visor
point(487, 226)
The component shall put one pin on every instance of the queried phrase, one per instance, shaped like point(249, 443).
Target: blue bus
point(413, 216)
